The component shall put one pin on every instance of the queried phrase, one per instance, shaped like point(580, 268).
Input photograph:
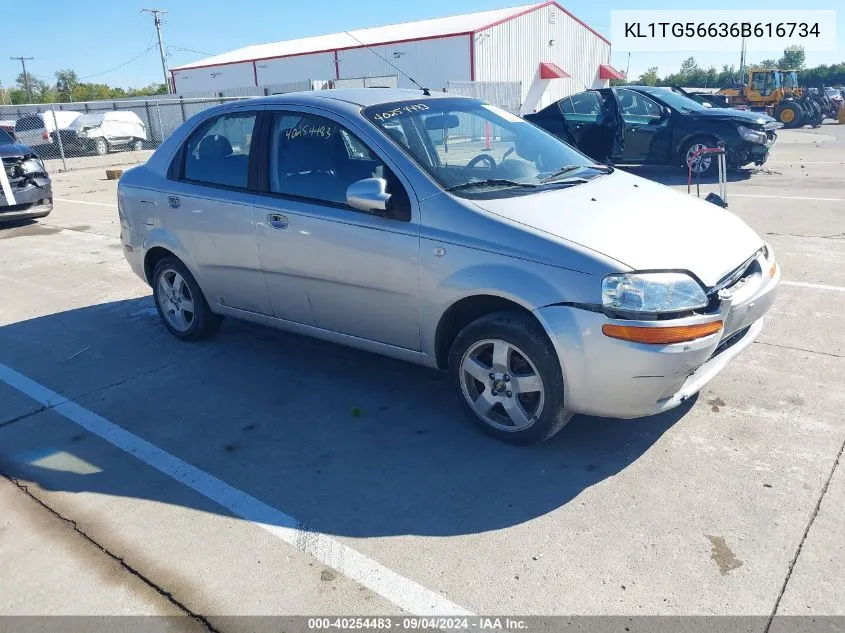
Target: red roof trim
point(606, 71)
point(548, 70)
point(327, 50)
point(541, 6)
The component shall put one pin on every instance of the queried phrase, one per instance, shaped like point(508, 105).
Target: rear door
point(208, 207)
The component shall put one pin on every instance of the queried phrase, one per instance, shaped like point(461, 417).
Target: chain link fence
point(119, 132)
point(100, 133)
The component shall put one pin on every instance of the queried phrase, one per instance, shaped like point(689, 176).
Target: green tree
point(649, 77)
point(793, 58)
point(66, 83)
point(765, 64)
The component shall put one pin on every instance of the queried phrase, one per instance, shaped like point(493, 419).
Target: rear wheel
point(790, 113)
point(508, 379)
point(101, 146)
point(180, 302)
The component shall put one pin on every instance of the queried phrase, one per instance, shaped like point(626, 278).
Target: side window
point(637, 107)
point(218, 152)
point(584, 106)
point(566, 106)
point(315, 158)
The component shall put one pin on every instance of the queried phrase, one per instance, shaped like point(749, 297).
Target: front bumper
point(609, 377)
point(31, 202)
point(744, 152)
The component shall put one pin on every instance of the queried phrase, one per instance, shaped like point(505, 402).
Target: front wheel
point(101, 146)
point(137, 145)
point(704, 164)
point(180, 302)
point(508, 379)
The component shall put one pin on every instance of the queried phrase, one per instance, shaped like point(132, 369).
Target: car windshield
point(87, 120)
point(5, 139)
point(474, 149)
point(675, 100)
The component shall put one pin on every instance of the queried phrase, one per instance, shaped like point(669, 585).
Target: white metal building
point(543, 47)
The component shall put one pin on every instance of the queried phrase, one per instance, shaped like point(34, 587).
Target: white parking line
point(807, 284)
point(757, 195)
point(96, 204)
point(401, 591)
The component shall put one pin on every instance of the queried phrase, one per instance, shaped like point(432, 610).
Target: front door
point(647, 128)
point(359, 271)
point(592, 120)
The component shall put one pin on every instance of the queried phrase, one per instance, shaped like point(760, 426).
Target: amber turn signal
point(773, 269)
point(661, 335)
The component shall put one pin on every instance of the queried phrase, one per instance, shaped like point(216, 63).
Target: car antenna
point(426, 91)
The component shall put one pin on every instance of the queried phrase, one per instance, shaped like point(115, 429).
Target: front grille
point(730, 341)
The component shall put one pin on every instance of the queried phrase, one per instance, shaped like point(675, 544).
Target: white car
point(37, 130)
point(101, 132)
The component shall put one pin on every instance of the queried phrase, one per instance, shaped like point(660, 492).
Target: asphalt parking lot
point(266, 473)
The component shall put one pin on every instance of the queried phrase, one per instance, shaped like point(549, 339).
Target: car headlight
point(32, 166)
point(752, 136)
point(652, 292)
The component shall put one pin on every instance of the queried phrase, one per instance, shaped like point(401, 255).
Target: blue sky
point(106, 34)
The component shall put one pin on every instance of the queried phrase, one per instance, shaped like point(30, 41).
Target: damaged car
point(25, 189)
point(639, 125)
point(445, 231)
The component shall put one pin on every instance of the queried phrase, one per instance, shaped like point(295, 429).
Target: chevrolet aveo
point(445, 231)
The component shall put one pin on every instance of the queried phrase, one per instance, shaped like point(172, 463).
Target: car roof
point(356, 96)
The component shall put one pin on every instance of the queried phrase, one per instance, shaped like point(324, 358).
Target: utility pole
point(742, 62)
point(157, 13)
point(23, 61)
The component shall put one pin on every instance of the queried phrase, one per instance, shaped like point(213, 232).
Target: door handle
point(277, 220)
point(174, 201)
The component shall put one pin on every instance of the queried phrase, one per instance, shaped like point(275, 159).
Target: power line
point(138, 56)
point(157, 13)
point(190, 50)
point(23, 61)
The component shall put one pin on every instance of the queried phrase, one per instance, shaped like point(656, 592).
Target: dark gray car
point(25, 188)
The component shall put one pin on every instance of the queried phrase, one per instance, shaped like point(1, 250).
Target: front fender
point(466, 272)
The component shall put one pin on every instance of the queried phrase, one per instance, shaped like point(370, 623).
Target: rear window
point(27, 123)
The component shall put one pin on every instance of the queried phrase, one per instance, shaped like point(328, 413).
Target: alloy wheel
point(502, 385)
point(175, 300)
point(702, 163)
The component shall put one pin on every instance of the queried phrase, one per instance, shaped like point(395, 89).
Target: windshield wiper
point(605, 169)
point(490, 182)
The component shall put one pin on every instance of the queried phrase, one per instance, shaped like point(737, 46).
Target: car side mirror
point(665, 112)
point(369, 194)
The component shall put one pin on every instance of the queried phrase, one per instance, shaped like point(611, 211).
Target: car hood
point(739, 116)
point(15, 150)
point(639, 223)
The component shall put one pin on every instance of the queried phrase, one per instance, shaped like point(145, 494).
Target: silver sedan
point(445, 231)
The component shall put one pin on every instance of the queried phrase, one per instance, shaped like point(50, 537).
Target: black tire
point(525, 333)
point(204, 322)
point(712, 168)
point(136, 145)
point(101, 146)
point(790, 113)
